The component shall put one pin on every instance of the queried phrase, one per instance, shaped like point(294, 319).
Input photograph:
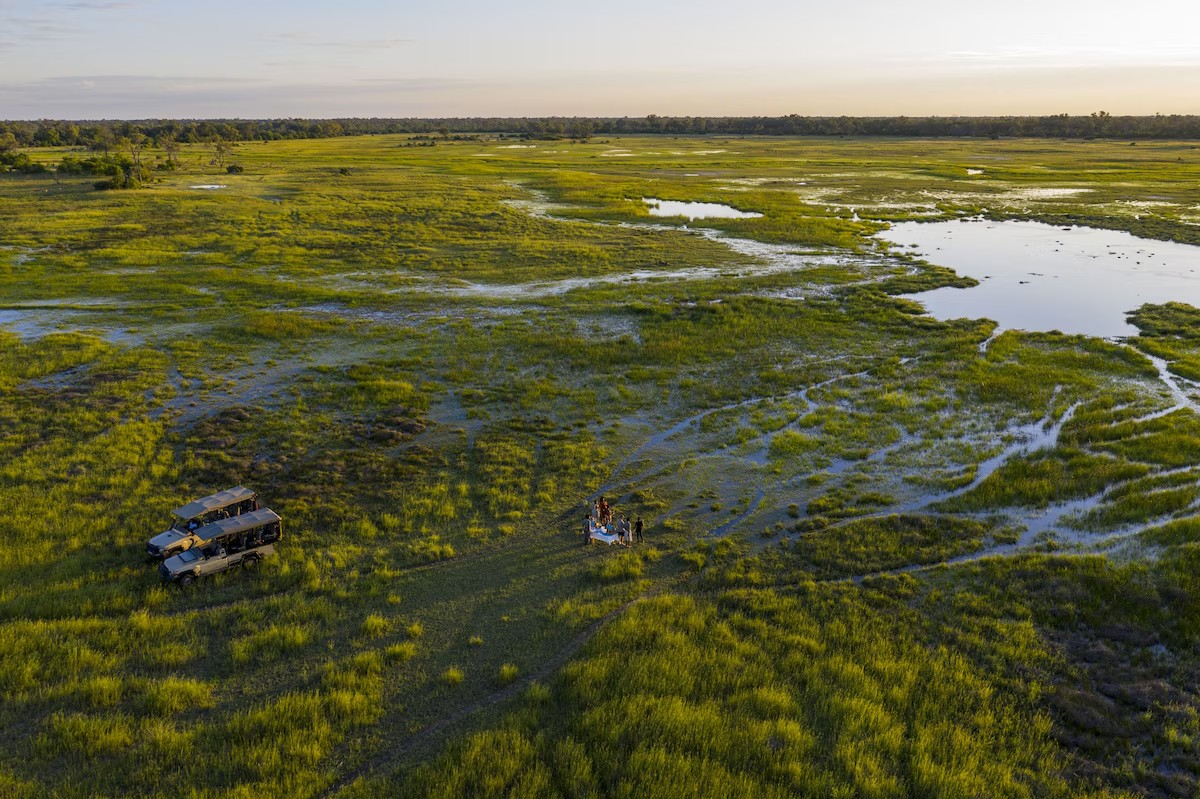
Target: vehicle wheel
point(250, 564)
point(186, 580)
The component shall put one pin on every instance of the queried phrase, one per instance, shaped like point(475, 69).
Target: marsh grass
point(740, 692)
point(1042, 478)
point(317, 331)
point(860, 547)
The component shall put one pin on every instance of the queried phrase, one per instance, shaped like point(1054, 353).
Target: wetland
point(1034, 276)
point(913, 526)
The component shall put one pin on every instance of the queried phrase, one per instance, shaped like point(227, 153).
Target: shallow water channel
point(695, 211)
point(1034, 276)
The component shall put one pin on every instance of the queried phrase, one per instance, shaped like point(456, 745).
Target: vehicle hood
point(174, 564)
point(166, 538)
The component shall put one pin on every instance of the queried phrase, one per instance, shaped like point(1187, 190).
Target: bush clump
point(508, 672)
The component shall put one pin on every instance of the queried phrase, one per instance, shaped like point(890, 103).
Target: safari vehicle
point(238, 541)
point(194, 515)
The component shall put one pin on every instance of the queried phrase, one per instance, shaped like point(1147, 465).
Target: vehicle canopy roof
point(217, 501)
point(237, 524)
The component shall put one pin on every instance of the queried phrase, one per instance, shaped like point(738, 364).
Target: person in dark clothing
point(637, 530)
point(587, 530)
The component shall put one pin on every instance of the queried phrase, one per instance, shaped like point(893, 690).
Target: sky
point(93, 59)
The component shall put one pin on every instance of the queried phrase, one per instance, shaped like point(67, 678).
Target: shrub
point(453, 676)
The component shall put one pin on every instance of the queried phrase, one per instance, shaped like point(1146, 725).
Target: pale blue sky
point(257, 58)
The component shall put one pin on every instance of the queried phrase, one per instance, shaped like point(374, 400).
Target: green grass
point(759, 695)
point(1045, 477)
point(323, 337)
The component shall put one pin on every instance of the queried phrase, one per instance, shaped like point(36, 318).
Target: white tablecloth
point(600, 535)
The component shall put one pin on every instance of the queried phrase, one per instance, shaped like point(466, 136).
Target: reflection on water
point(696, 210)
point(1034, 276)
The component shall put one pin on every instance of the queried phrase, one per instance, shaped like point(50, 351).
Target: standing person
point(637, 530)
point(587, 530)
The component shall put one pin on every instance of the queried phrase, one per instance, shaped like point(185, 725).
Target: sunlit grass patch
point(88, 736)
point(508, 672)
point(374, 625)
point(175, 694)
point(270, 643)
point(401, 653)
point(623, 566)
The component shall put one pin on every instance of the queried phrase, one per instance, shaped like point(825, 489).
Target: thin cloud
point(82, 5)
point(365, 44)
point(49, 22)
point(1042, 57)
point(30, 28)
point(348, 45)
point(139, 97)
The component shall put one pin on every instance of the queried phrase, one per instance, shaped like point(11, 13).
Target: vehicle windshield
point(189, 556)
point(179, 525)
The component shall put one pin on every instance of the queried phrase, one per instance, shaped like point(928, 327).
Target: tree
point(133, 146)
point(171, 148)
point(8, 142)
point(102, 141)
point(580, 129)
point(220, 150)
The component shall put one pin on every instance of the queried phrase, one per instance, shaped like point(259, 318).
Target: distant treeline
point(101, 134)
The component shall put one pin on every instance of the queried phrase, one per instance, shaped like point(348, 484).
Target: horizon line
point(520, 117)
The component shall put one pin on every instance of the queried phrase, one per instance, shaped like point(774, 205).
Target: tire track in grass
point(493, 547)
point(388, 759)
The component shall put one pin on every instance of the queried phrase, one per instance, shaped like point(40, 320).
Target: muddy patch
point(608, 328)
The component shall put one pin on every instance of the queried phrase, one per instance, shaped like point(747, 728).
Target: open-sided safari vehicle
point(193, 516)
point(238, 541)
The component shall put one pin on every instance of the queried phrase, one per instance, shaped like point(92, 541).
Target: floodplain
point(886, 554)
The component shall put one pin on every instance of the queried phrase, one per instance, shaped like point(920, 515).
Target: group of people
point(598, 525)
